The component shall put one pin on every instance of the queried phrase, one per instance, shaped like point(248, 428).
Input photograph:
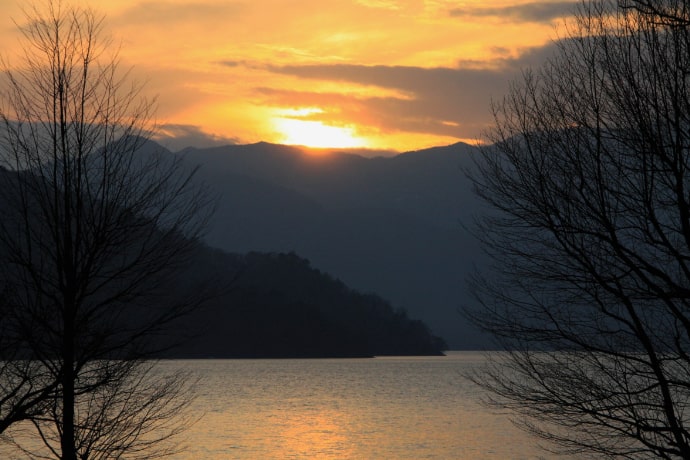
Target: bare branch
point(589, 178)
point(97, 224)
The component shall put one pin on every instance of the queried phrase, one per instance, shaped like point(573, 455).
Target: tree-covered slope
point(277, 305)
point(396, 226)
point(269, 305)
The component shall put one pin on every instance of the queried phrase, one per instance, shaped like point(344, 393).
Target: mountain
point(278, 306)
point(254, 305)
point(395, 225)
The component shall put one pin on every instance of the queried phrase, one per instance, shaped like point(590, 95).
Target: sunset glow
point(397, 75)
point(309, 133)
point(316, 134)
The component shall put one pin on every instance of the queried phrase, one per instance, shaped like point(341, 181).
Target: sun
point(311, 133)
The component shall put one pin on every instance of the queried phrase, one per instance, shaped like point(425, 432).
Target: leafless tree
point(95, 226)
point(671, 13)
point(588, 185)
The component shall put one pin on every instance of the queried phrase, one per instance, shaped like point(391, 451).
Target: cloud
point(380, 4)
point(506, 63)
point(156, 12)
point(176, 137)
point(232, 63)
point(529, 12)
point(443, 100)
point(435, 96)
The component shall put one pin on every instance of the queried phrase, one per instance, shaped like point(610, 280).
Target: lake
point(381, 408)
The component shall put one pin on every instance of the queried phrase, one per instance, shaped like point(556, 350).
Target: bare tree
point(671, 13)
point(95, 226)
point(588, 182)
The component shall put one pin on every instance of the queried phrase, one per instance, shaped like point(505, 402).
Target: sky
point(377, 74)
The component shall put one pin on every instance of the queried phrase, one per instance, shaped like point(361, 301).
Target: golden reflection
point(320, 431)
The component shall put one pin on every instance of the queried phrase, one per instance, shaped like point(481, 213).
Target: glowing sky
point(383, 74)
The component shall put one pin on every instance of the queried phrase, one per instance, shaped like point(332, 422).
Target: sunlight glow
point(311, 133)
point(294, 72)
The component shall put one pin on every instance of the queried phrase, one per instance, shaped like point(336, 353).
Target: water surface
point(382, 408)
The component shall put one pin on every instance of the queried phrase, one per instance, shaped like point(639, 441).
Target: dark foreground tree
point(674, 13)
point(94, 228)
point(588, 178)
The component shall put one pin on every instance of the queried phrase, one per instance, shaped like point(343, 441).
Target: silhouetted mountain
point(278, 306)
point(261, 305)
point(390, 225)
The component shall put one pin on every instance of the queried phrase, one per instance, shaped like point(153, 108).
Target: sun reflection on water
point(384, 408)
point(318, 431)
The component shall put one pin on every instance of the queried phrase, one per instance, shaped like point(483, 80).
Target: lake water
point(382, 408)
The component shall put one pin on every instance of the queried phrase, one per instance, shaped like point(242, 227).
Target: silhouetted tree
point(671, 13)
point(94, 225)
point(588, 181)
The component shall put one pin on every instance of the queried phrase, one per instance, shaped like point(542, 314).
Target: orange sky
point(381, 74)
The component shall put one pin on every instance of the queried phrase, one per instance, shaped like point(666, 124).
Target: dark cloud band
point(443, 101)
point(529, 12)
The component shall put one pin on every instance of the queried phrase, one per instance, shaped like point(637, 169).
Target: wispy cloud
point(418, 72)
point(178, 136)
point(444, 101)
point(156, 12)
point(434, 95)
point(382, 4)
point(529, 12)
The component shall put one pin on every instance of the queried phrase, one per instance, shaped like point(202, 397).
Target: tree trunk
point(67, 444)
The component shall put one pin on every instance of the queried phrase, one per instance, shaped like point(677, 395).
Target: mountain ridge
point(394, 225)
point(253, 305)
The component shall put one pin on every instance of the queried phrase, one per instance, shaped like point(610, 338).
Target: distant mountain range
point(394, 226)
point(254, 305)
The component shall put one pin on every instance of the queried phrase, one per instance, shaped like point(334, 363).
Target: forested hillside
point(277, 305)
